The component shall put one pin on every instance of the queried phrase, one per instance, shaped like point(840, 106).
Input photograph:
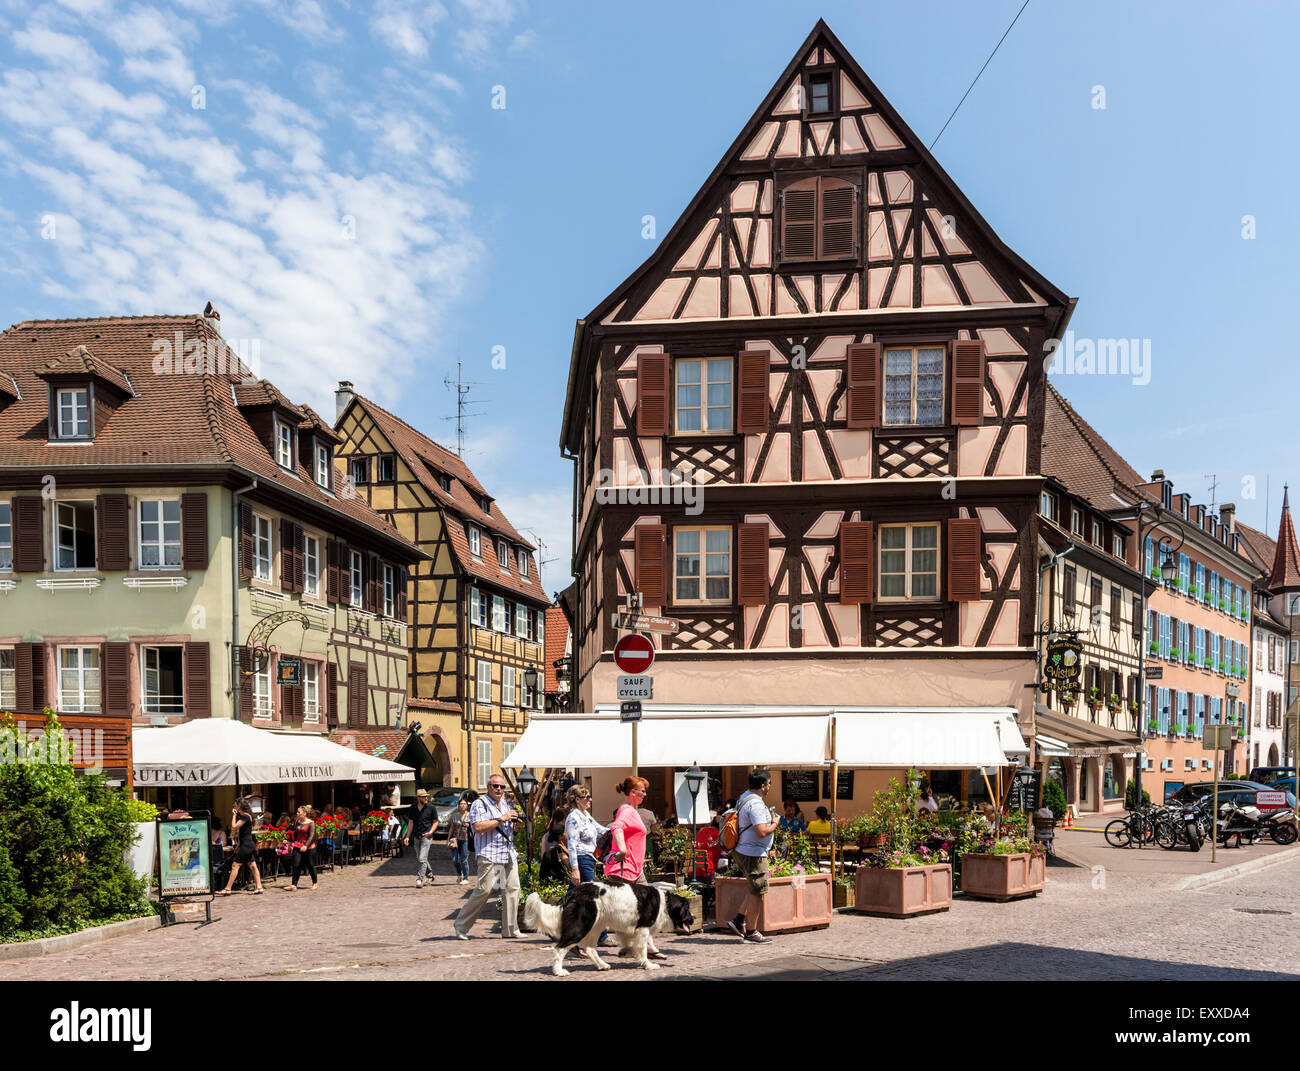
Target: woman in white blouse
point(581, 831)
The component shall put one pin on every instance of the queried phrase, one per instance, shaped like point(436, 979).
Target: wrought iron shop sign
point(288, 671)
point(260, 635)
point(1062, 665)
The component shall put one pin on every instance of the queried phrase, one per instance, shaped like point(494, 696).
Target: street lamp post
point(694, 779)
point(530, 682)
point(527, 782)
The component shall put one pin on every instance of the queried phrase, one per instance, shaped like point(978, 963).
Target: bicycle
point(1137, 828)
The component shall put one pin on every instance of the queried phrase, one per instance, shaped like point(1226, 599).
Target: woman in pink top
point(628, 860)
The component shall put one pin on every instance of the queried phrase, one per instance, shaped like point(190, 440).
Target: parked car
point(1239, 792)
point(1266, 775)
point(444, 801)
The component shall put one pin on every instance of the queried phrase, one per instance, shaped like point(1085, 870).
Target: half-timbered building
point(808, 428)
point(174, 544)
point(477, 607)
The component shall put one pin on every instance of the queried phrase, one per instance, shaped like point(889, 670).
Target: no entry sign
point(634, 654)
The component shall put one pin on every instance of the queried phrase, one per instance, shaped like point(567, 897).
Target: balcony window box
point(1153, 727)
point(1153, 647)
point(793, 903)
point(1176, 654)
point(1223, 604)
point(1004, 877)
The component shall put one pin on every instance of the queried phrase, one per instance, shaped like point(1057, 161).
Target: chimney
point(342, 397)
point(1227, 516)
point(1158, 476)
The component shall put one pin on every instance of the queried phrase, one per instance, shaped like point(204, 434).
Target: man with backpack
point(748, 836)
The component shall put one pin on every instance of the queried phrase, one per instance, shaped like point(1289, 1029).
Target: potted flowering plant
point(329, 825)
point(907, 876)
point(1008, 868)
point(374, 820)
point(271, 836)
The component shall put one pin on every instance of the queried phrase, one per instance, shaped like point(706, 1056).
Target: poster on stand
point(184, 857)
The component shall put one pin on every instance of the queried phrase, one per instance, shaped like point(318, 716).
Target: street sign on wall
point(634, 654)
point(638, 687)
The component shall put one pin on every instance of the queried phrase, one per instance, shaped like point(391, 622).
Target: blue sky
point(349, 197)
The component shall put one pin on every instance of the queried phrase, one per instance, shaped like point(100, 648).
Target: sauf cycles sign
point(1062, 665)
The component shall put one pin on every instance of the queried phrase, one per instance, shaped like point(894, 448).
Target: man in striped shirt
point(494, 822)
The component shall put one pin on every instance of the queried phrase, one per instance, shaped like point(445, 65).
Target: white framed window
point(507, 746)
point(387, 468)
point(322, 465)
point(390, 591)
point(503, 555)
point(701, 565)
point(703, 395)
point(521, 560)
point(74, 413)
point(498, 614)
point(162, 671)
point(8, 679)
point(1117, 544)
point(909, 561)
point(484, 763)
point(1076, 522)
point(483, 681)
point(475, 543)
point(6, 538)
point(509, 698)
point(262, 691)
point(1047, 505)
point(1096, 533)
point(477, 608)
point(311, 691)
point(360, 469)
point(79, 680)
point(914, 385)
point(354, 571)
point(521, 621)
point(311, 566)
point(262, 549)
point(283, 445)
point(159, 531)
point(74, 535)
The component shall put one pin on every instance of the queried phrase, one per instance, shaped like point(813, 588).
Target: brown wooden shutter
point(198, 680)
point(245, 541)
point(29, 544)
point(358, 706)
point(299, 559)
point(286, 555)
point(651, 560)
point(331, 572)
point(857, 550)
point(345, 574)
point(751, 564)
point(799, 220)
point(29, 677)
point(837, 229)
point(245, 684)
point(401, 594)
point(862, 382)
point(194, 530)
point(331, 695)
point(967, 382)
point(752, 414)
point(115, 679)
point(964, 559)
point(112, 532)
point(652, 394)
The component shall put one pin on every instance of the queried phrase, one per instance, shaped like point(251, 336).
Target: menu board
point(844, 784)
point(1026, 790)
point(800, 786)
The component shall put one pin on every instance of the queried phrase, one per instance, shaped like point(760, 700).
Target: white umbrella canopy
point(221, 751)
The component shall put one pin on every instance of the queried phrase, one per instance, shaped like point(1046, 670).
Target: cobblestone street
point(370, 922)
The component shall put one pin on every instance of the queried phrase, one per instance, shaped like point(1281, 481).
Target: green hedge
point(1054, 798)
point(63, 839)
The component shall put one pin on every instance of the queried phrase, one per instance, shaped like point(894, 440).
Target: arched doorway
point(1273, 757)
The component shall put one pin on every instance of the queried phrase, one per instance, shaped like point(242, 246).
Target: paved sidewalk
point(371, 922)
point(1088, 848)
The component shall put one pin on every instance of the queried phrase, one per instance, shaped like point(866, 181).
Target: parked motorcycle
point(1280, 825)
point(1242, 821)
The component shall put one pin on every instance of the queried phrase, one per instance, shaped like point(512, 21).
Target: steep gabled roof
point(427, 460)
point(171, 417)
point(80, 361)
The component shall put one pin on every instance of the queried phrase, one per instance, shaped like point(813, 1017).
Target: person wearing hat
point(423, 820)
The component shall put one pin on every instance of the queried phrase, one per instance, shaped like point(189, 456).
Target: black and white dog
point(630, 912)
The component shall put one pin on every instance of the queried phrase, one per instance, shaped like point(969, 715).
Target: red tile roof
point(461, 505)
point(1285, 575)
point(557, 635)
point(434, 704)
point(175, 418)
point(368, 741)
point(81, 361)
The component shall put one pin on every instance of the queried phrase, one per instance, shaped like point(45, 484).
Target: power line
point(981, 71)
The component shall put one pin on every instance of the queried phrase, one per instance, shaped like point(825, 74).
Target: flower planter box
point(799, 902)
point(906, 891)
point(1003, 877)
point(844, 895)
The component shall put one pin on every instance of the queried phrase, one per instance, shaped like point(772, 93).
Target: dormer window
point(485, 505)
point(475, 543)
point(521, 559)
point(74, 413)
point(503, 555)
point(444, 481)
point(323, 466)
point(283, 445)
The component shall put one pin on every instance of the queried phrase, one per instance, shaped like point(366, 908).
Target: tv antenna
point(1214, 488)
point(542, 547)
point(463, 403)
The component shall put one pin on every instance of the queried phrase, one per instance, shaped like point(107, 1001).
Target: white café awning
point(678, 735)
point(673, 735)
point(373, 768)
point(938, 738)
point(221, 751)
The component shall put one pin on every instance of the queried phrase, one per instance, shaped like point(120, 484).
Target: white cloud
point(524, 42)
point(406, 28)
